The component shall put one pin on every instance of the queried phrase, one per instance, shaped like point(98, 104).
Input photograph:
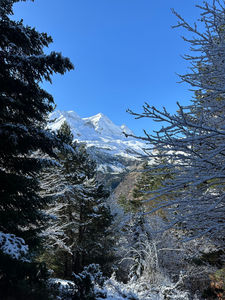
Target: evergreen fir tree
point(138, 238)
point(129, 206)
point(63, 183)
point(82, 216)
point(153, 177)
point(64, 134)
point(95, 243)
point(23, 110)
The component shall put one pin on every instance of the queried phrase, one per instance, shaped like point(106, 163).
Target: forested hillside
point(64, 235)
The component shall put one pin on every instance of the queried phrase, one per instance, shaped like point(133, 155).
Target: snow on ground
point(141, 290)
point(116, 169)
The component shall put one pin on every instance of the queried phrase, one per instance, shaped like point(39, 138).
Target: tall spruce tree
point(23, 110)
point(95, 242)
point(63, 183)
point(153, 176)
point(81, 231)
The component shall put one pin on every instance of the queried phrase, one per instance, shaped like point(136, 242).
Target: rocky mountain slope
point(116, 154)
point(104, 140)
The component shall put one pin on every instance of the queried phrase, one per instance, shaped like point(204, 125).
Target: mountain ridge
point(105, 141)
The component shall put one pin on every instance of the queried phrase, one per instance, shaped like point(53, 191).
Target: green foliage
point(95, 243)
point(153, 176)
point(208, 294)
point(128, 205)
point(64, 134)
point(144, 183)
point(220, 276)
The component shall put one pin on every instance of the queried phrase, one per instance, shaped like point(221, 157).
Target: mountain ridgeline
point(115, 154)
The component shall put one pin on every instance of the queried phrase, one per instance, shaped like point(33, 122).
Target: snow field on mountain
point(102, 137)
point(97, 131)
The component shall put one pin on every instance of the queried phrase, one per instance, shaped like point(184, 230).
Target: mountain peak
point(61, 114)
point(103, 139)
point(100, 115)
point(126, 129)
point(103, 124)
point(98, 123)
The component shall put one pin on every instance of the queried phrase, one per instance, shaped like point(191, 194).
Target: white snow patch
point(100, 133)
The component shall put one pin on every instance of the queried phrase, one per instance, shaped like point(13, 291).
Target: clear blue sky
point(124, 51)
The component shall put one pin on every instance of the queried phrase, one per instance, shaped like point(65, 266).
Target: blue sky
point(124, 51)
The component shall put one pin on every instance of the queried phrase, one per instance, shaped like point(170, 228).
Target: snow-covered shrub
point(119, 290)
point(141, 289)
point(60, 289)
point(13, 246)
point(156, 256)
point(89, 283)
point(143, 248)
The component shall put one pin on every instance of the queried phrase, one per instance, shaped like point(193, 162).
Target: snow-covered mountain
point(105, 141)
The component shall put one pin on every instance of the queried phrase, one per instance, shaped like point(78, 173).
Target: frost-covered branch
point(194, 137)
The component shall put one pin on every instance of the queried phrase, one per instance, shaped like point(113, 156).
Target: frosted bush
point(13, 246)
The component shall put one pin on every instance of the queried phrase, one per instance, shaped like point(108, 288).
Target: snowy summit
point(105, 141)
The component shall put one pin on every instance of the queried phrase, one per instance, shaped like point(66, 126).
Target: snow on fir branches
point(79, 232)
point(13, 246)
point(24, 107)
point(194, 137)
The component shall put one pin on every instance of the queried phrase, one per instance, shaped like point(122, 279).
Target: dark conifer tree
point(137, 238)
point(23, 110)
point(152, 177)
point(128, 205)
point(80, 209)
point(95, 243)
